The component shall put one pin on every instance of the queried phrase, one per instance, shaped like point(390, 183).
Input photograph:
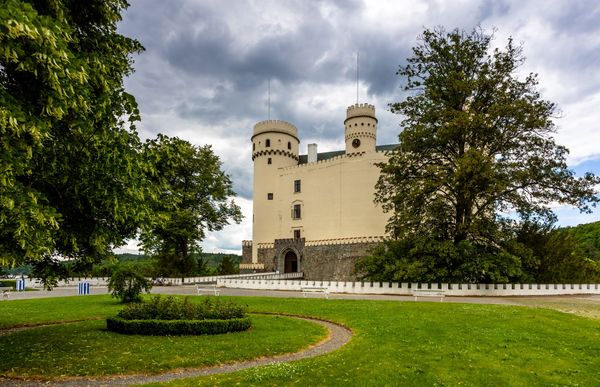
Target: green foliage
point(422, 260)
point(173, 308)
point(8, 284)
point(177, 327)
point(176, 316)
point(127, 284)
point(72, 181)
point(228, 266)
point(195, 197)
point(476, 143)
point(556, 256)
point(588, 236)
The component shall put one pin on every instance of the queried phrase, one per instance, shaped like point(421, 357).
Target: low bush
point(177, 327)
point(127, 284)
point(8, 284)
point(171, 308)
point(176, 316)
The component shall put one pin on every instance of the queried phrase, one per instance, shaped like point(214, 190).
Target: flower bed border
point(177, 327)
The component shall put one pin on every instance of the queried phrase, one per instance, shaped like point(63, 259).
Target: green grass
point(86, 348)
point(394, 343)
point(419, 344)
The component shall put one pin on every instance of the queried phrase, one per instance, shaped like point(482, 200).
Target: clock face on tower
point(356, 143)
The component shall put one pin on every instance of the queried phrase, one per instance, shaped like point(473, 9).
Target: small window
point(268, 143)
point(253, 146)
point(297, 186)
point(270, 196)
point(362, 124)
point(289, 145)
point(296, 234)
point(269, 161)
point(296, 212)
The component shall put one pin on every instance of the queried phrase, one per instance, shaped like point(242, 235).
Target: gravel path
point(338, 335)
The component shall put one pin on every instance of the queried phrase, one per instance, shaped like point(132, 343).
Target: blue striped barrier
point(83, 288)
point(21, 285)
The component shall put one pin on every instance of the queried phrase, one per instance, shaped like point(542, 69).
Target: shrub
point(176, 316)
point(172, 308)
point(127, 284)
point(177, 327)
point(8, 284)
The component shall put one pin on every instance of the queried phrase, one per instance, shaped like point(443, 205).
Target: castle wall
point(336, 199)
point(331, 260)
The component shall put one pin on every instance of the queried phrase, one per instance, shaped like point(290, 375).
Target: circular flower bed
point(175, 316)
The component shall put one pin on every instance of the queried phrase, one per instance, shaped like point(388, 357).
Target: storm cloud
point(204, 74)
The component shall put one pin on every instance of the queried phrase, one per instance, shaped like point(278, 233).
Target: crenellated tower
point(275, 145)
point(360, 128)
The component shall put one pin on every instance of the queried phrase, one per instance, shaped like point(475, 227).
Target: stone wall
point(246, 252)
point(266, 256)
point(323, 262)
point(333, 262)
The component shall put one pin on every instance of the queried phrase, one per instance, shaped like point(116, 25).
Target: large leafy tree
point(195, 197)
point(476, 145)
point(71, 178)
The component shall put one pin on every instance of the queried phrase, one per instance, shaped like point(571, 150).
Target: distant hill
point(588, 236)
point(212, 259)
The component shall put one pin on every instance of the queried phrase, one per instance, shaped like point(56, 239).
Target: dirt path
point(338, 335)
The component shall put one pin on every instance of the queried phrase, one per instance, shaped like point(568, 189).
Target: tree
point(195, 196)
point(227, 266)
point(72, 182)
point(127, 284)
point(476, 145)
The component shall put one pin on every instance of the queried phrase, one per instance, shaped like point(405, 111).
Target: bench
point(429, 293)
point(5, 292)
point(315, 289)
point(207, 289)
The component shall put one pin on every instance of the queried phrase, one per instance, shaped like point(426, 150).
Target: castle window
point(362, 124)
point(289, 145)
point(297, 186)
point(296, 234)
point(268, 143)
point(296, 211)
point(355, 124)
point(253, 146)
point(270, 196)
point(269, 161)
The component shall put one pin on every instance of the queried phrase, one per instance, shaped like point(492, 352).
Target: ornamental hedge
point(177, 327)
point(176, 316)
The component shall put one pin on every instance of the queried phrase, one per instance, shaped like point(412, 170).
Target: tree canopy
point(72, 181)
point(195, 197)
point(476, 161)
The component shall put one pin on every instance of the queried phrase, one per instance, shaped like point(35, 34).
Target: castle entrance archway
point(290, 262)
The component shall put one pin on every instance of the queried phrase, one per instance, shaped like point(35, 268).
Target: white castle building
point(315, 213)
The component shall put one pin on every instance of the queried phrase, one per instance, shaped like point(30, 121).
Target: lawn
point(394, 343)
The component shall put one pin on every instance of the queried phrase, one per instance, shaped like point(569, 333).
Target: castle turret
point(360, 128)
point(274, 145)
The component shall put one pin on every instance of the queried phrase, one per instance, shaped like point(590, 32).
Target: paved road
point(191, 290)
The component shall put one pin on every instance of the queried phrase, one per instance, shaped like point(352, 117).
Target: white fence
point(407, 288)
point(100, 281)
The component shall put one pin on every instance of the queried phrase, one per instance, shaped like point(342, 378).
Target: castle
point(315, 213)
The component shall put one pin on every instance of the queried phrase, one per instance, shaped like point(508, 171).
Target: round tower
point(274, 145)
point(360, 128)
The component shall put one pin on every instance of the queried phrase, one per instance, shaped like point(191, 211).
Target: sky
point(205, 71)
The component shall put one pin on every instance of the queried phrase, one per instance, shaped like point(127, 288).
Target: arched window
point(268, 143)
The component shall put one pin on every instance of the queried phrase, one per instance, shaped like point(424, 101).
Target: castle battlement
point(360, 109)
point(275, 125)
